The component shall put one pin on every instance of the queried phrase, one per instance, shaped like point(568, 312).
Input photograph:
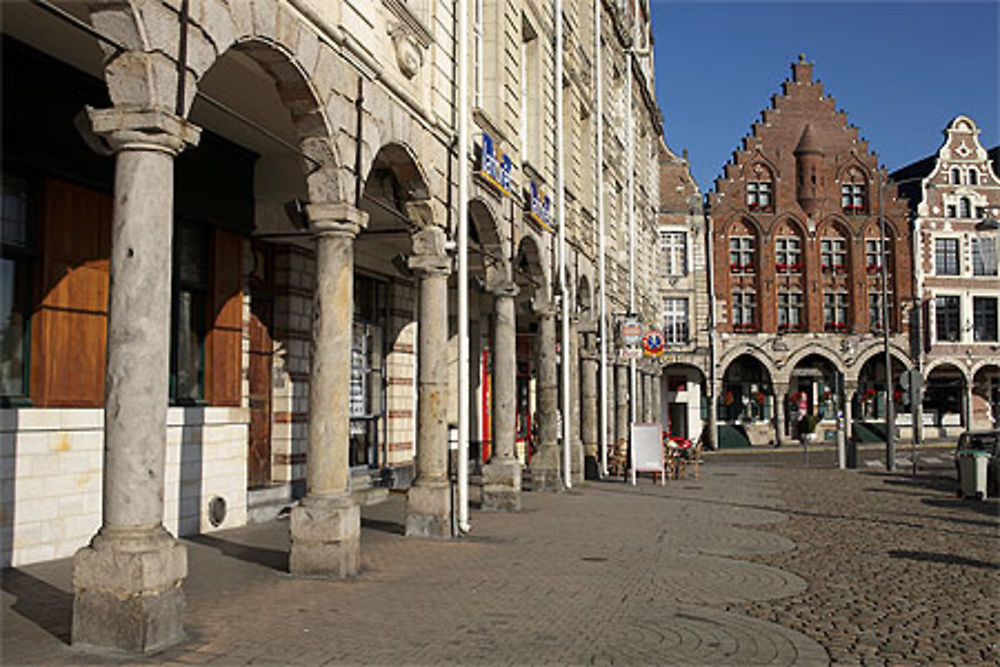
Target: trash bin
point(972, 466)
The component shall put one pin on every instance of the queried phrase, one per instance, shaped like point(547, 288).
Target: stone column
point(325, 528)
point(850, 389)
point(428, 501)
point(545, 472)
point(610, 428)
point(589, 360)
point(780, 392)
point(127, 582)
point(713, 414)
point(647, 396)
point(502, 475)
point(655, 398)
point(621, 403)
point(575, 431)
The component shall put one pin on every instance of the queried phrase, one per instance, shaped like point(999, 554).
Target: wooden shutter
point(69, 322)
point(223, 347)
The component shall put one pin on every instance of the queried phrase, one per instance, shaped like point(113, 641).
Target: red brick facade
point(804, 176)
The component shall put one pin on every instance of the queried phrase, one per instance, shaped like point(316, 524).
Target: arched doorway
point(532, 293)
point(945, 398)
point(683, 410)
point(871, 403)
point(746, 404)
point(812, 389)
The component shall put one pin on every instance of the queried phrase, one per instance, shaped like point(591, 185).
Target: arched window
point(973, 177)
point(956, 176)
point(853, 195)
point(760, 190)
point(964, 208)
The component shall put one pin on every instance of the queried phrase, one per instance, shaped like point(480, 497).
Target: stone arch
point(942, 363)
point(815, 349)
point(788, 223)
point(529, 271)
point(834, 226)
point(395, 173)
point(145, 74)
point(897, 352)
point(754, 351)
point(485, 238)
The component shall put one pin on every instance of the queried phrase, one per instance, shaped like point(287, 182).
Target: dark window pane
point(984, 311)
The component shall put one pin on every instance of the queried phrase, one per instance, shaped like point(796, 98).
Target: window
point(532, 117)
point(191, 285)
point(14, 290)
point(744, 316)
point(946, 257)
point(984, 318)
point(759, 196)
point(875, 308)
point(741, 254)
point(872, 255)
point(789, 311)
point(952, 211)
point(674, 244)
point(852, 198)
point(835, 311)
point(984, 256)
point(788, 254)
point(833, 255)
point(947, 318)
point(973, 177)
point(956, 176)
point(964, 208)
point(675, 321)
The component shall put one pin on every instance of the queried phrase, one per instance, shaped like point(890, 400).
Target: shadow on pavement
point(988, 507)
point(272, 558)
point(384, 526)
point(946, 559)
point(40, 602)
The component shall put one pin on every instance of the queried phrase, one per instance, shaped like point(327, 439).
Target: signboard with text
point(495, 166)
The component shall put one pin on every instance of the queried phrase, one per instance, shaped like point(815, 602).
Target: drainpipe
point(602, 250)
point(463, 266)
point(561, 217)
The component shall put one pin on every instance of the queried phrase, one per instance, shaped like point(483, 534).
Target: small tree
point(808, 424)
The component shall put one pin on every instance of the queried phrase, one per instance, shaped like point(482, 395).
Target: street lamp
point(890, 408)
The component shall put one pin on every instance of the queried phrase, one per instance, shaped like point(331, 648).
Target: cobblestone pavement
point(755, 563)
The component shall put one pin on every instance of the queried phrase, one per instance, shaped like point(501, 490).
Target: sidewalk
point(699, 572)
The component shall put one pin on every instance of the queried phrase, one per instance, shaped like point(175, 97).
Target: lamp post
point(890, 408)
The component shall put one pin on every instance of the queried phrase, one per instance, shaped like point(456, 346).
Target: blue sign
point(539, 206)
point(496, 167)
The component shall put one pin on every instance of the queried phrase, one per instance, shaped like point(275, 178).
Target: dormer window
point(973, 177)
point(956, 176)
point(760, 190)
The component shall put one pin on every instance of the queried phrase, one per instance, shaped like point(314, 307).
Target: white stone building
point(228, 239)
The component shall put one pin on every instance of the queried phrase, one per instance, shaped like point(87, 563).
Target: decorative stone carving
point(409, 52)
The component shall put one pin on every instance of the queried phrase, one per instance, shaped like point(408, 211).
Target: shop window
point(947, 318)
point(15, 291)
point(367, 394)
point(190, 318)
point(984, 318)
point(984, 256)
point(676, 328)
point(946, 261)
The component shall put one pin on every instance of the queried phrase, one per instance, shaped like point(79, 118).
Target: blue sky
point(901, 69)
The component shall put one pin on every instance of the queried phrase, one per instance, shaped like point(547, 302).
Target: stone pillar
point(850, 389)
point(966, 404)
point(715, 389)
point(647, 396)
point(428, 501)
point(127, 582)
point(655, 399)
point(575, 431)
point(589, 406)
point(545, 472)
point(621, 403)
point(610, 428)
point(780, 392)
point(325, 528)
point(502, 475)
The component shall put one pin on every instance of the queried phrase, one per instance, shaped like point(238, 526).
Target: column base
point(127, 592)
point(545, 469)
point(502, 486)
point(591, 467)
point(428, 510)
point(576, 461)
point(326, 538)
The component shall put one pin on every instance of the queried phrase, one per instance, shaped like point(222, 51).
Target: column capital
point(430, 256)
point(503, 288)
point(544, 309)
point(425, 213)
point(339, 219)
point(143, 129)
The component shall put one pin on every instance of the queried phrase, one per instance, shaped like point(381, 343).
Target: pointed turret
point(808, 161)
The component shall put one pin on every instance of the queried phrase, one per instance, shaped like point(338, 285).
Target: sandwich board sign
point(647, 450)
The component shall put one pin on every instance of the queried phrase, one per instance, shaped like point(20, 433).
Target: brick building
point(797, 276)
point(955, 198)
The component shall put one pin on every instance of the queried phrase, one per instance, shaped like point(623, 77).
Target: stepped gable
point(802, 123)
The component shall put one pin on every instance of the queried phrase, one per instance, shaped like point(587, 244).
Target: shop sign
point(652, 343)
point(629, 353)
point(496, 167)
point(539, 206)
point(630, 332)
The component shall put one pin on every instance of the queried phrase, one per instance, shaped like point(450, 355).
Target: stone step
point(269, 503)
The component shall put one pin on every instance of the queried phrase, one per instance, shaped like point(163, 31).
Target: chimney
point(802, 71)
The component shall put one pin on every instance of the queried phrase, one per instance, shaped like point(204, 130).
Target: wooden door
point(261, 353)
